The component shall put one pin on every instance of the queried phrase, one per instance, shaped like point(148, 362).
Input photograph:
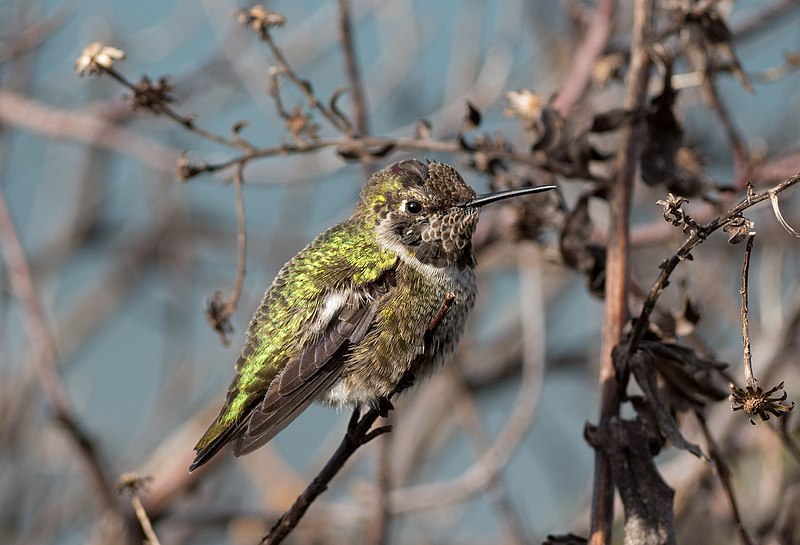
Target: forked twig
point(696, 237)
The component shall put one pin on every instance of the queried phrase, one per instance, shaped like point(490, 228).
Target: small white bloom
point(525, 105)
point(96, 57)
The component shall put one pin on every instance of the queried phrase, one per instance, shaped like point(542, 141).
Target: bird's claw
point(384, 406)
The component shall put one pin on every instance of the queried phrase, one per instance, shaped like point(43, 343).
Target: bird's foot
point(384, 406)
point(406, 382)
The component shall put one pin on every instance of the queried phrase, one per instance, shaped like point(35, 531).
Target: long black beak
point(487, 198)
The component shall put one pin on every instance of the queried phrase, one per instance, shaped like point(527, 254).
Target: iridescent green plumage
point(346, 317)
point(344, 257)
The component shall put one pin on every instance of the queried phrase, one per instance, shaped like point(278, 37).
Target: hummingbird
point(346, 318)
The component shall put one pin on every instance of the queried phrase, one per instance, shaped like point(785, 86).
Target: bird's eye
point(413, 207)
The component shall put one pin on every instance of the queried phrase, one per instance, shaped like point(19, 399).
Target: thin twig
point(750, 380)
point(377, 532)
point(18, 111)
point(219, 308)
point(304, 86)
point(471, 421)
point(359, 432)
point(696, 237)
point(351, 66)
point(46, 365)
point(742, 165)
point(594, 43)
point(354, 78)
point(617, 262)
point(185, 121)
point(144, 520)
point(387, 145)
point(131, 483)
point(724, 474)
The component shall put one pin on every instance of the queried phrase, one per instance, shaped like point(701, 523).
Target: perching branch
point(359, 433)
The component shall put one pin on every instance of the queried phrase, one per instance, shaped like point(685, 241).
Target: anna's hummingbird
point(346, 317)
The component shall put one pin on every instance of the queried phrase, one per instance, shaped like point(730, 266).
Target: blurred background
point(124, 258)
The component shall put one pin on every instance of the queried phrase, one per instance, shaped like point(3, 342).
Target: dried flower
point(218, 313)
point(185, 169)
point(260, 19)
point(131, 482)
point(525, 105)
point(755, 401)
point(673, 212)
point(608, 67)
point(151, 96)
point(299, 124)
point(484, 147)
point(738, 228)
point(97, 57)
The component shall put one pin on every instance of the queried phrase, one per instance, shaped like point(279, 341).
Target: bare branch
point(131, 483)
point(22, 112)
point(351, 64)
point(219, 310)
point(749, 379)
point(617, 262)
point(45, 362)
point(587, 52)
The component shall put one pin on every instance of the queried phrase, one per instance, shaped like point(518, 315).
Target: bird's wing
point(306, 376)
point(268, 392)
point(303, 379)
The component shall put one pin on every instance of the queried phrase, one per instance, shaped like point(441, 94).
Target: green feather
point(345, 256)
